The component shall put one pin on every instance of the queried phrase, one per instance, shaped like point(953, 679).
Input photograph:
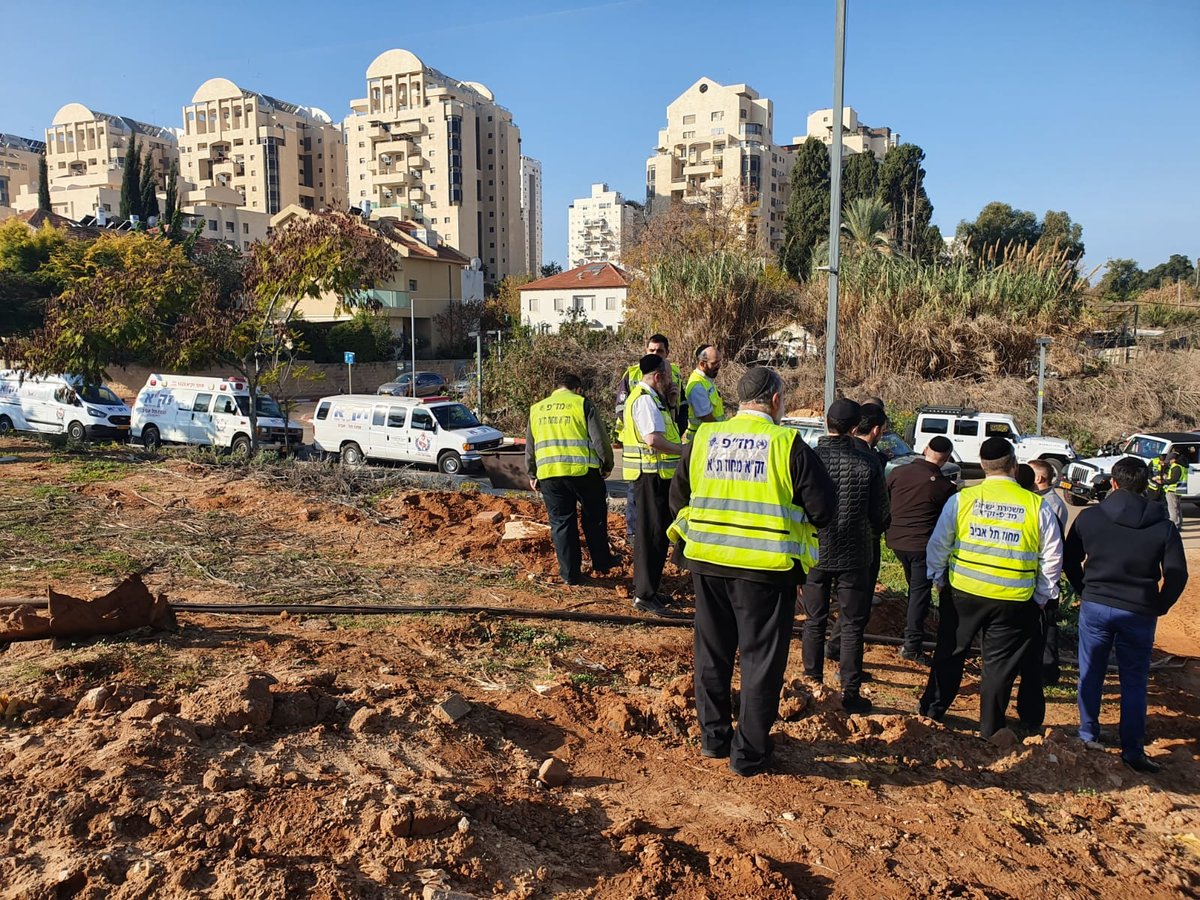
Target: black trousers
point(650, 543)
point(756, 619)
point(1040, 661)
point(1008, 629)
point(563, 496)
point(854, 609)
point(835, 633)
point(920, 595)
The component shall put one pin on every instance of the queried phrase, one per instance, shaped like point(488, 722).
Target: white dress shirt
point(646, 417)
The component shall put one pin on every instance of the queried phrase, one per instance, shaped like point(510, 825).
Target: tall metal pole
point(835, 202)
point(479, 372)
point(1042, 343)
point(412, 333)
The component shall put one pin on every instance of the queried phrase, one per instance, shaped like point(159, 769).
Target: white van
point(60, 404)
point(433, 430)
point(967, 429)
point(211, 412)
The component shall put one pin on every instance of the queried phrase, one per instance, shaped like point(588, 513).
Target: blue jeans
point(1100, 627)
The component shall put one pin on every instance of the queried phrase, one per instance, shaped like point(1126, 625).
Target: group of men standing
point(758, 517)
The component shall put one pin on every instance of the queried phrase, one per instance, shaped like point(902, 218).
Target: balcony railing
point(388, 299)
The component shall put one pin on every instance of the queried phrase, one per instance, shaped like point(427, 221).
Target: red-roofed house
point(595, 293)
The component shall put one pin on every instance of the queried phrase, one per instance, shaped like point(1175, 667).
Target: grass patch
point(111, 562)
point(94, 470)
point(516, 635)
point(891, 573)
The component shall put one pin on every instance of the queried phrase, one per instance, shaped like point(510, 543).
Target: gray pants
point(1174, 513)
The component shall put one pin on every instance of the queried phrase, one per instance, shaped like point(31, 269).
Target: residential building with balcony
point(268, 152)
point(718, 146)
point(531, 213)
point(600, 226)
point(427, 148)
point(19, 158)
point(594, 294)
point(856, 137)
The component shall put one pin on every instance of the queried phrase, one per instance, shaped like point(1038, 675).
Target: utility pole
point(478, 335)
point(1043, 342)
point(835, 202)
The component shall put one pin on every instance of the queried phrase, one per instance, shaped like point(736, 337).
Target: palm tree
point(864, 226)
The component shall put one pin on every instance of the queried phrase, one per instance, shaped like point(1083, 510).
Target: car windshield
point(455, 415)
point(892, 446)
point(265, 407)
point(100, 395)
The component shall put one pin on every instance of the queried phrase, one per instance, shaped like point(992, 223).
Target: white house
point(594, 293)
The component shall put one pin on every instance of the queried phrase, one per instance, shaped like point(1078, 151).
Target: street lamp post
point(1043, 343)
point(835, 202)
point(478, 335)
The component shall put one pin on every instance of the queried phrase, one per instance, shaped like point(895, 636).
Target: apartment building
point(718, 146)
point(440, 152)
point(19, 159)
point(594, 294)
point(269, 152)
point(600, 226)
point(856, 137)
point(531, 213)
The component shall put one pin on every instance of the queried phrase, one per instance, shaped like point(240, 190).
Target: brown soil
point(306, 756)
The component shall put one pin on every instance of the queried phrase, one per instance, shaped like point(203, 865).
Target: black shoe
point(866, 676)
point(856, 703)
point(917, 656)
point(715, 752)
point(1142, 764)
point(651, 605)
point(604, 570)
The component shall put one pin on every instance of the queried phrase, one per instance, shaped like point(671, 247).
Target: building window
point(229, 227)
point(533, 304)
point(688, 134)
point(559, 304)
point(412, 284)
point(212, 224)
point(717, 116)
point(689, 120)
point(610, 303)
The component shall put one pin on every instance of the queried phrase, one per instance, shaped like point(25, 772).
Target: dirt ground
point(327, 756)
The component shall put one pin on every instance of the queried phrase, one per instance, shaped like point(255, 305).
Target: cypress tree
point(131, 197)
point(171, 201)
point(807, 216)
point(43, 184)
point(148, 189)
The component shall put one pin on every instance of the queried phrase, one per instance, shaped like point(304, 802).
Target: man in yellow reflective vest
point(650, 448)
point(747, 497)
point(999, 547)
point(703, 399)
point(568, 456)
point(1174, 479)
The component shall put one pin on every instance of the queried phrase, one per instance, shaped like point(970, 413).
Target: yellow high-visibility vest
point(634, 374)
point(561, 444)
point(741, 512)
point(1177, 472)
point(997, 541)
point(636, 456)
point(710, 388)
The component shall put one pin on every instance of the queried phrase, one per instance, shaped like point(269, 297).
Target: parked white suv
point(967, 429)
point(1091, 479)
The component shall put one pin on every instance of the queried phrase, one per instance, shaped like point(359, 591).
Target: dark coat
point(862, 504)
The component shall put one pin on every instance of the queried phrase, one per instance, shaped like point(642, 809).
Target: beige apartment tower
point(856, 137)
point(718, 146)
point(442, 153)
point(19, 159)
point(268, 152)
point(599, 227)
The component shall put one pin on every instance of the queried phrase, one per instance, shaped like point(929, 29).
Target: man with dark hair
point(870, 428)
point(999, 549)
point(703, 400)
point(1126, 561)
point(651, 447)
point(845, 558)
point(1026, 477)
point(1174, 478)
point(917, 492)
point(747, 497)
point(569, 456)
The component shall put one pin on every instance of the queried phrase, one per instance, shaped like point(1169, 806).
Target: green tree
point(43, 184)
point(807, 215)
point(1060, 233)
point(172, 217)
point(1177, 268)
point(551, 268)
point(367, 335)
point(864, 226)
point(25, 279)
point(148, 189)
point(131, 182)
point(860, 176)
point(902, 188)
point(998, 231)
point(1121, 280)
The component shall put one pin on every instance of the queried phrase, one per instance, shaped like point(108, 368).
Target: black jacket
point(811, 489)
point(1118, 552)
point(862, 504)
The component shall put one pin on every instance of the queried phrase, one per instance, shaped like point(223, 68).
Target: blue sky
point(1084, 105)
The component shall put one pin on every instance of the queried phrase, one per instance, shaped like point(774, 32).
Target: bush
point(366, 335)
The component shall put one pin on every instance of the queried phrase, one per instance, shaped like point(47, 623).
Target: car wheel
point(450, 463)
point(1073, 500)
point(352, 454)
point(241, 445)
point(6, 425)
point(150, 439)
point(76, 432)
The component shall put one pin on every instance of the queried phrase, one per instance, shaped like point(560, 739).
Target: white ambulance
point(436, 431)
point(60, 404)
point(211, 412)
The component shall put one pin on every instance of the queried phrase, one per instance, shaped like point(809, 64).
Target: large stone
point(233, 704)
point(490, 517)
point(452, 709)
point(93, 701)
point(1005, 739)
point(524, 530)
point(366, 721)
point(553, 773)
point(145, 709)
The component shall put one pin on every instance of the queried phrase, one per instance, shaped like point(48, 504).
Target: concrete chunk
point(452, 709)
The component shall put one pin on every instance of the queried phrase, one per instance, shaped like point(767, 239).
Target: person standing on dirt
point(569, 456)
point(917, 492)
point(747, 499)
point(1174, 478)
point(1126, 562)
point(651, 447)
point(704, 402)
point(659, 346)
point(1154, 490)
point(998, 547)
point(846, 558)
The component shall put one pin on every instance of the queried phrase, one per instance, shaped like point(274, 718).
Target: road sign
point(349, 355)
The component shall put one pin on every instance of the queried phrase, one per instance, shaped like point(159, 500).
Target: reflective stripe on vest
point(561, 446)
point(997, 541)
point(714, 397)
point(1172, 473)
point(636, 457)
point(740, 513)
